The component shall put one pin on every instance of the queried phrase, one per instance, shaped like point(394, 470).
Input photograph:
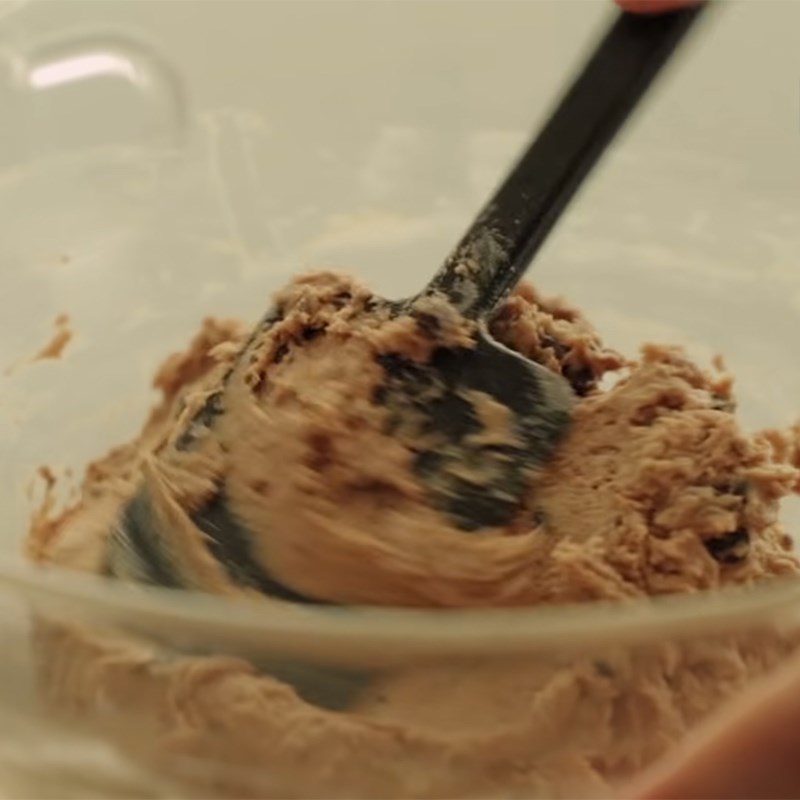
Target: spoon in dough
point(475, 482)
point(482, 485)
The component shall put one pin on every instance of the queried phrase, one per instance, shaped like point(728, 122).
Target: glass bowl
point(163, 162)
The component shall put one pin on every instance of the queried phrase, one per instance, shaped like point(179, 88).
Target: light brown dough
point(654, 490)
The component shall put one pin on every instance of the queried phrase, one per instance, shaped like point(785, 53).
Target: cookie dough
point(655, 489)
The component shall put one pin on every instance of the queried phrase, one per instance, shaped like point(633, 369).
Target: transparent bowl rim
point(318, 630)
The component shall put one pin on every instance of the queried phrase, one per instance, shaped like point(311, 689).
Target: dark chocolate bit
point(280, 353)
point(559, 349)
point(312, 333)
point(429, 324)
point(731, 548)
point(603, 668)
point(580, 376)
point(320, 447)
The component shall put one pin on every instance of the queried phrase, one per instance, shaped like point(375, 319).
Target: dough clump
point(654, 490)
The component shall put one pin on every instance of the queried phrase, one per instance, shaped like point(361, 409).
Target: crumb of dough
point(61, 337)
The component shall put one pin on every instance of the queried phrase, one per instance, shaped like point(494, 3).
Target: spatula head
point(480, 421)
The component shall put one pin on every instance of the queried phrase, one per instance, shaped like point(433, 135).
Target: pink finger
point(653, 6)
point(753, 750)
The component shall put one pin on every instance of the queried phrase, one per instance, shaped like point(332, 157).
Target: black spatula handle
point(496, 250)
